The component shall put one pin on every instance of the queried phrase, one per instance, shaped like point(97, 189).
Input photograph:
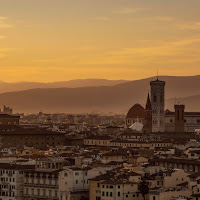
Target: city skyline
point(64, 40)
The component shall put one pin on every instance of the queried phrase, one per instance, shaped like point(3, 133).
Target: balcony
point(40, 185)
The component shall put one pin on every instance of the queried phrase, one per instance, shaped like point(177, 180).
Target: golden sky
point(57, 40)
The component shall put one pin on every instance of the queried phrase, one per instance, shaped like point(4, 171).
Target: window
point(103, 194)
point(118, 186)
point(56, 193)
point(107, 194)
point(44, 192)
point(76, 173)
point(154, 111)
point(154, 122)
point(161, 98)
point(110, 194)
point(118, 194)
point(76, 181)
point(50, 193)
point(154, 198)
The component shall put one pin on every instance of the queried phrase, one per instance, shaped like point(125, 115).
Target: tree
point(144, 188)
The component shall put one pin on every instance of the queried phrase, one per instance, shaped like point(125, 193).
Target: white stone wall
point(71, 180)
point(176, 178)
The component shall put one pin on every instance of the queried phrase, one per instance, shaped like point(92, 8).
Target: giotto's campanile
point(158, 105)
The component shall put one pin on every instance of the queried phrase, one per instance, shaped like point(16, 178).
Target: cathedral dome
point(137, 111)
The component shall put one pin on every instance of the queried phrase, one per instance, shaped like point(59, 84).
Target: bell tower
point(158, 105)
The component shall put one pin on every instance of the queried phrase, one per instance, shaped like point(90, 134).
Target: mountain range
point(19, 86)
point(95, 95)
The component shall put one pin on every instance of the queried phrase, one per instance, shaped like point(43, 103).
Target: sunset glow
point(55, 40)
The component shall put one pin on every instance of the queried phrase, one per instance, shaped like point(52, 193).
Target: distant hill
point(19, 86)
point(192, 103)
point(117, 98)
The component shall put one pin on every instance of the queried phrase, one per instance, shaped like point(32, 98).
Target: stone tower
point(158, 105)
point(179, 118)
point(148, 116)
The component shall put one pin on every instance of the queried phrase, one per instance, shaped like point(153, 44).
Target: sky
point(58, 40)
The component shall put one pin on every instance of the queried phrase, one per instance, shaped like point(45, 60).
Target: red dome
point(136, 111)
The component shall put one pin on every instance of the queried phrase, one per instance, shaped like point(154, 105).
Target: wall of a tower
point(179, 118)
point(158, 105)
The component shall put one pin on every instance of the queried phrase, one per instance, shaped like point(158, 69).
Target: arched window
point(154, 111)
point(154, 122)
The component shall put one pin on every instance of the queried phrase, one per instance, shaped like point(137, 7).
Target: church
point(155, 118)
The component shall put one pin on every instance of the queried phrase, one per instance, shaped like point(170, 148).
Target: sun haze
point(53, 40)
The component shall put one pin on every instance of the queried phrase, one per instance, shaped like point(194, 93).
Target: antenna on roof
point(157, 73)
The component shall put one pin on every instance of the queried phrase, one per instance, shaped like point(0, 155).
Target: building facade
point(13, 136)
point(12, 181)
point(42, 182)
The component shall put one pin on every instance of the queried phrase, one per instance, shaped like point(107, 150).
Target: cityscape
point(99, 100)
